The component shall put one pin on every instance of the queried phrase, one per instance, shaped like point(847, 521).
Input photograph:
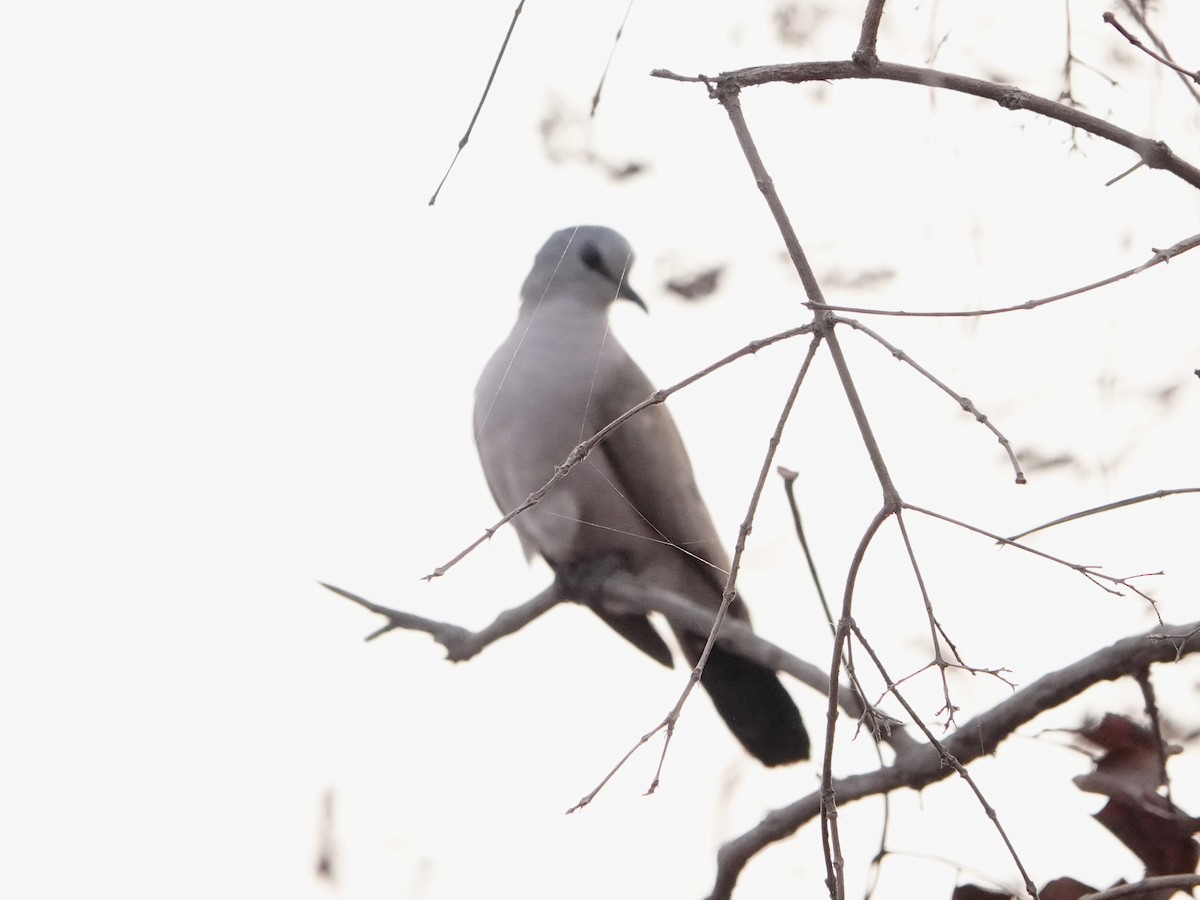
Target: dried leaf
point(1129, 774)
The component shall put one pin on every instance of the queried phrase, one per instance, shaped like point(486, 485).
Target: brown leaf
point(1129, 773)
point(1130, 766)
point(696, 285)
point(975, 892)
point(1065, 889)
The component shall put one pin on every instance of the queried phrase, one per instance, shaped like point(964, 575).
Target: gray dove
point(632, 504)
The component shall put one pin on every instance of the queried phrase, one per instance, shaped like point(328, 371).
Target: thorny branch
point(916, 765)
point(965, 403)
point(1170, 64)
point(619, 592)
point(976, 738)
point(1111, 584)
point(729, 591)
point(1157, 256)
point(1155, 154)
point(1106, 507)
point(1138, 14)
point(726, 89)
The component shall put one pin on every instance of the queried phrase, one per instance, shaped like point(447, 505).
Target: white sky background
point(238, 352)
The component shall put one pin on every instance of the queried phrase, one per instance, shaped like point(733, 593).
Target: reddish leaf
point(1129, 775)
point(1065, 889)
point(975, 892)
point(1058, 889)
point(1161, 838)
point(1130, 766)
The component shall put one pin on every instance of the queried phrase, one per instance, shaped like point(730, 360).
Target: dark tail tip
point(756, 707)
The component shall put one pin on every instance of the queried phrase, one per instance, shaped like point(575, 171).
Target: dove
point(632, 504)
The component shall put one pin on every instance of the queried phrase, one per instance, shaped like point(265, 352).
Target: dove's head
point(587, 263)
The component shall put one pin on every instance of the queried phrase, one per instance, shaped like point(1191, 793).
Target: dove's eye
point(592, 259)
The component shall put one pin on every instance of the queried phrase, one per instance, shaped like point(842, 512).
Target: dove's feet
point(581, 582)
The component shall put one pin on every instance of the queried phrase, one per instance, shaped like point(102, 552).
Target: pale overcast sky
point(238, 354)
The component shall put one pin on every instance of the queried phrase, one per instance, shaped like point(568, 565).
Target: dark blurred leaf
point(696, 285)
point(975, 892)
point(1129, 774)
point(1065, 889)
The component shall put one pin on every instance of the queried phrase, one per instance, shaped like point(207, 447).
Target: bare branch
point(608, 62)
point(1155, 154)
point(962, 401)
point(462, 142)
point(624, 593)
point(1133, 10)
point(978, 737)
point(1170, 64)
point(460, 643)
point(1116, 504)
point(728, 98)
point(1155, 886)
point(1087, 571)
point(948, 759)
point(667, 724)
point(1160, 745)
point(935, 627)
point(629, 594)
point(828, 803)
point(789, 486)
point(865, 54)
point(730, 592)
point(1159, 256)
point(727, 597)
point(877, 725)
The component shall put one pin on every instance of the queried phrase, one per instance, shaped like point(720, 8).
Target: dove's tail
point(756, 707)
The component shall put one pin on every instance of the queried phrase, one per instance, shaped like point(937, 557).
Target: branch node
point(867, 60)
point(1012, 98)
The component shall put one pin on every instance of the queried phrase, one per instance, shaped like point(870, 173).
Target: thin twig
point(831, 840)
point(608, 62)
point(1156, 886)
point(878, 727)
point(1170, 64)
point(629, 594)
point(948, 759)
point(624, 593)
point(728, 98)
point(730, 590)
point(962, 401)
point(756, 496)
point(479, 108)
point(1146, 686)
point(978, 737)
point(935, 627)
point(877, 723)
point(1067, 94)
point(1159, 256)
point(1087, 571)
point(1155, 154)
point(1132, 9)
point(1116, 504)
point(460, 643)
point(591, 795)
point(789, 477)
